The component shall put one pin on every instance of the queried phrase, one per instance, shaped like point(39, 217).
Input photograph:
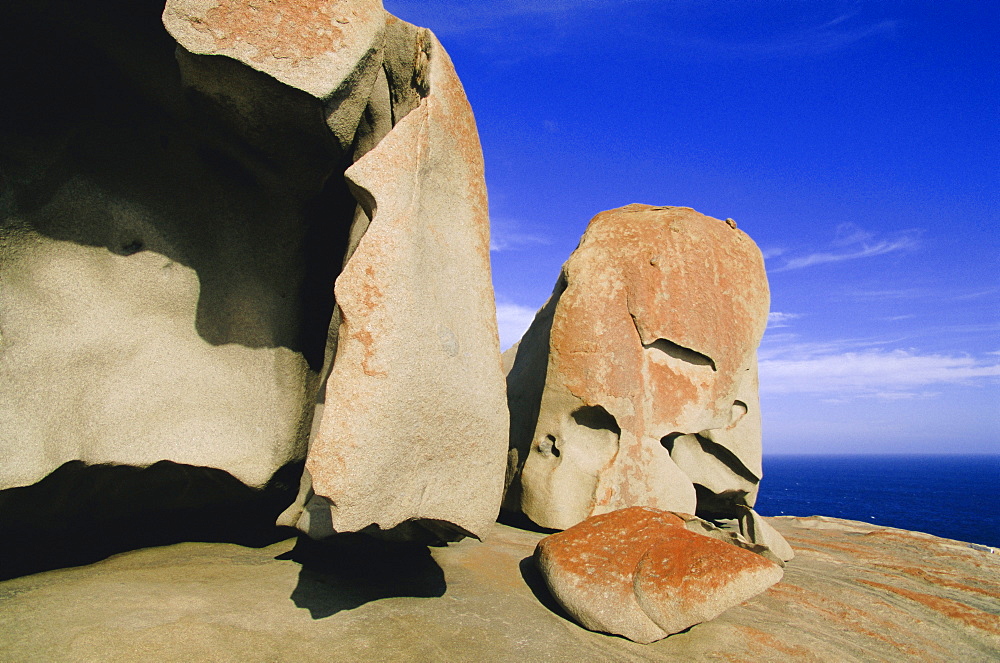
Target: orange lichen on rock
point(413, 423)
point(934, 578)
point(318, 46)
point(953, 609)
point(639, 573)
point(845, 615)
point(759, 640)
point(650, 336)
point(292, 30)
point(645, 273)
point(577, 549)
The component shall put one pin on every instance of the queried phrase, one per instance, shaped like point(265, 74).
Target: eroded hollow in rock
point(80, 513)
point(106, 147)
point(171, 228)
point(688, 355)
point(597, 418)
point(719, 506)
point(548, 446)
point(713, 480)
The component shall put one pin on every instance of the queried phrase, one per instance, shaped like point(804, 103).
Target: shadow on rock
point(81, 514)
point(518, 520)
point(536, 583)
point(346, 571)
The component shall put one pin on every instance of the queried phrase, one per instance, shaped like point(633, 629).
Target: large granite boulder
point(414, 424)
point(636, 384)
point(639, 573)
point(260, 230)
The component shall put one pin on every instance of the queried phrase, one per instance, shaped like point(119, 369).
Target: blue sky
point(857, 142)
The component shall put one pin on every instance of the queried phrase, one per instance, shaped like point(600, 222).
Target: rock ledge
point(854, 592)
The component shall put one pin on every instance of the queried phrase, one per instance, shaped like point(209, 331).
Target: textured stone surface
point(854, 592)
point(312, 45)
point(160, 274)
point(415, 421)
point(181, 188)
point(639, 573)
point(636, 384)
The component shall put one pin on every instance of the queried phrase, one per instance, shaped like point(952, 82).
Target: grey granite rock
point(246, 230)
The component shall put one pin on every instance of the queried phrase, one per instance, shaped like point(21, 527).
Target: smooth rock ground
point(854, 592)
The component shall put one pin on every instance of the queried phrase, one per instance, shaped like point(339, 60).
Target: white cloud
point(853, 243)
point(878, 295)
point(867, 250)
point(789, 346)
point(819, 40)
point(461, 16)
point(506, 235)
point(513, 320)
point(499, 7)
point(935, 293)
point(814, 38)
point(978, 294)
point(905, 395)
point(776, 319)
point(972, 328)
point(870, 373)
point(847, 234)
point(499, 22)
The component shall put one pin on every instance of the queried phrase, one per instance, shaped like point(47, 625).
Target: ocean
point(955, 497)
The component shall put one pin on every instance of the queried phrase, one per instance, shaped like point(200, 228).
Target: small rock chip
point(639, 573)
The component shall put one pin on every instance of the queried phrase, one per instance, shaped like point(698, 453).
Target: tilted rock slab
point(636, 384)
point(260, 230)
point(639, 573)
point(414, 423)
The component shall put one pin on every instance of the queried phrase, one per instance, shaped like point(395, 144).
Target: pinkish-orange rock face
point(671, 282)
point(637, 381)
point(639, 573)
point(314, 45)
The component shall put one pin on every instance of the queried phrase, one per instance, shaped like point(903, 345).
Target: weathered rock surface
point(854, 592)
point(415, 421)
point(179, 196)
point(639, 573)
point(636, 384)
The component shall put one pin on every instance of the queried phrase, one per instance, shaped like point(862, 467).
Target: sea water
point(957, 497)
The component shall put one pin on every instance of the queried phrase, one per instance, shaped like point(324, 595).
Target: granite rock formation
point(639, 573)
point(854, 592)
point(218, 240)
point(415, 421)
point(636, 384)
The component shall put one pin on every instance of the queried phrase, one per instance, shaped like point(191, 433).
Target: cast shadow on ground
point(536, 583)
point(345, 571)
point(81, 514)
